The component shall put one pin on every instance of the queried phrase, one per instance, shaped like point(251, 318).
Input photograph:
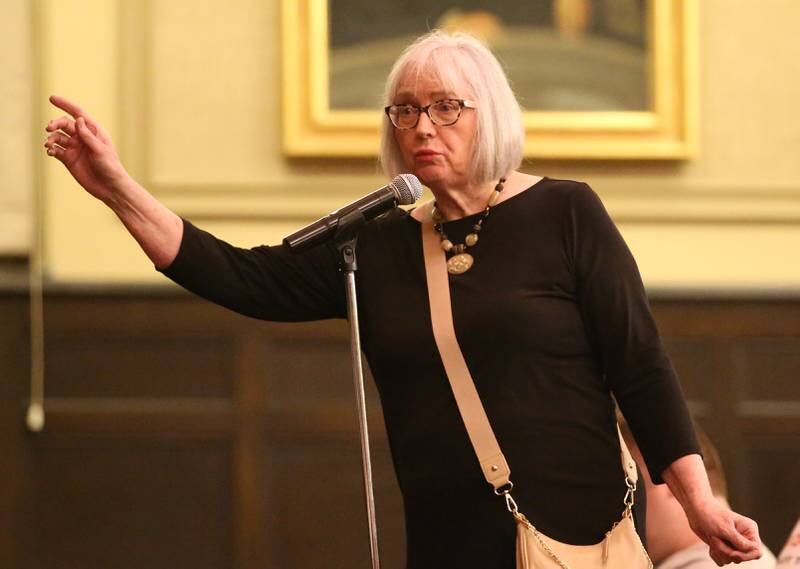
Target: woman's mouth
point(425, 154)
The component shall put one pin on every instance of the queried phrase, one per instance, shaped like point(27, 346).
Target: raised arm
point(85, 148)
point(263, 282)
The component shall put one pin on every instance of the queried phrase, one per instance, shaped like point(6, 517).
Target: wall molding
point(307, 198)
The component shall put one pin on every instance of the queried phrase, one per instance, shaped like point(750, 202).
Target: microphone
point(403, 190)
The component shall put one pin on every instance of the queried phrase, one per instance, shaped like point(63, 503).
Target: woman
point(548, 305)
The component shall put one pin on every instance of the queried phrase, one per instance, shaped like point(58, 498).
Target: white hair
point(463, 65)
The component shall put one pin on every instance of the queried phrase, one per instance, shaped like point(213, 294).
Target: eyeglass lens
point(442, 113)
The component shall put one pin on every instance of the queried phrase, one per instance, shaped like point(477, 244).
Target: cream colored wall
point(190, 91)
point(16, 139)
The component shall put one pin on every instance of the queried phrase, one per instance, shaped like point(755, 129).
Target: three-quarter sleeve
point(266, 282)
point(620, 325)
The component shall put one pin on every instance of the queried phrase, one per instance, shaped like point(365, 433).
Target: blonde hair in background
point(709, 452)
point(712, 462)
point(464, 66)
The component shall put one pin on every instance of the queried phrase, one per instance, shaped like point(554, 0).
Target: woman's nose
point(425, 126)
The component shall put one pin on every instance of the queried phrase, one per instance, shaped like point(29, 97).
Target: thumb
point(740, 541)
point(748, 529)
point(87, 136)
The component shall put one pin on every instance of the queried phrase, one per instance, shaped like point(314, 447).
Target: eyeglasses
point(442, 113)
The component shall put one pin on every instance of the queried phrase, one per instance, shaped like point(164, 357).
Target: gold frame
point(667, 131)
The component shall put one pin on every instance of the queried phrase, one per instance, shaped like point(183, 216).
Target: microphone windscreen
point(408, 188)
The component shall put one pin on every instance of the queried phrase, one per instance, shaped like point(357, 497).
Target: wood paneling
point(768, 468)
point(761, 367)
point(14, 373)
point(748, 368)
point(115, 503)
point(265, 410)
point(181, 435)
point(693, 361)
point(155, 365)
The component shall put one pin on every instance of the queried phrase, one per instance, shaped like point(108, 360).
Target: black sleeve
point(264, 282)
point(620, 325)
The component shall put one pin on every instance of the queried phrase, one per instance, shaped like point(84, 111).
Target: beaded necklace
point(459, 260)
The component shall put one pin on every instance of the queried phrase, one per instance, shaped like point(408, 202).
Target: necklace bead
point(460, 261)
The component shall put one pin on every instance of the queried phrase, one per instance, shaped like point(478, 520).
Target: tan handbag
point(621, 547)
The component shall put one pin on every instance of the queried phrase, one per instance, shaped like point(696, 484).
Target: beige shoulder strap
point(493, 463)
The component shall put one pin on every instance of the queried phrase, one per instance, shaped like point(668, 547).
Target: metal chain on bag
point(628, 500)
point(521, 517)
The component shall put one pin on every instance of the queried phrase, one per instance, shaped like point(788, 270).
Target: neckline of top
point(494, 207)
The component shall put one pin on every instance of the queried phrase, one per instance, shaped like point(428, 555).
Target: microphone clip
point(346, 237)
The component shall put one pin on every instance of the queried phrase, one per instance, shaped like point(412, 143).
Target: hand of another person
point(732, 538)
point(85, 148)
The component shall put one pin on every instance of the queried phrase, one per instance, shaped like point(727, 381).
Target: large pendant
point(459, 264)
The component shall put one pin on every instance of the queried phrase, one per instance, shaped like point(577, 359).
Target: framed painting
point(597, 79)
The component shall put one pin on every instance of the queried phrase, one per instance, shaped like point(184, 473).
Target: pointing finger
point(66, 105)
point(77, 111)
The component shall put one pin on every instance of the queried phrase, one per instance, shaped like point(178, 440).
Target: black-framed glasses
point(442, 113)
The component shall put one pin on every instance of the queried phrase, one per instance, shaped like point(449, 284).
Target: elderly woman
point(548, 305)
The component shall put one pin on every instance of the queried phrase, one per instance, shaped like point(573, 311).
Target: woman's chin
point(428, 174)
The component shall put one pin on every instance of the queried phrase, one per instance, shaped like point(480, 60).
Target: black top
point(552, 319)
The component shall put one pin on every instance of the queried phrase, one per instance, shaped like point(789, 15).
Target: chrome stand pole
point(346, 243)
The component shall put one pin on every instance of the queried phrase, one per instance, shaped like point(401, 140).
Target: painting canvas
point(560, 55)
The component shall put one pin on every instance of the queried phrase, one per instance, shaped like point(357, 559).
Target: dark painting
point(561, 55)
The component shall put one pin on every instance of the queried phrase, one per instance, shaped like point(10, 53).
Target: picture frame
point(321, 118)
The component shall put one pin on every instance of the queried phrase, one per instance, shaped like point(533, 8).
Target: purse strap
point(493, 463)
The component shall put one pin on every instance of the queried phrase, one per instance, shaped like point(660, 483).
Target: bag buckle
point(628, 500)
point(505, 491)
point(511, 504)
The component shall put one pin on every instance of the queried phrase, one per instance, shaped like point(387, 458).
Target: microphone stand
point(345, 239)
